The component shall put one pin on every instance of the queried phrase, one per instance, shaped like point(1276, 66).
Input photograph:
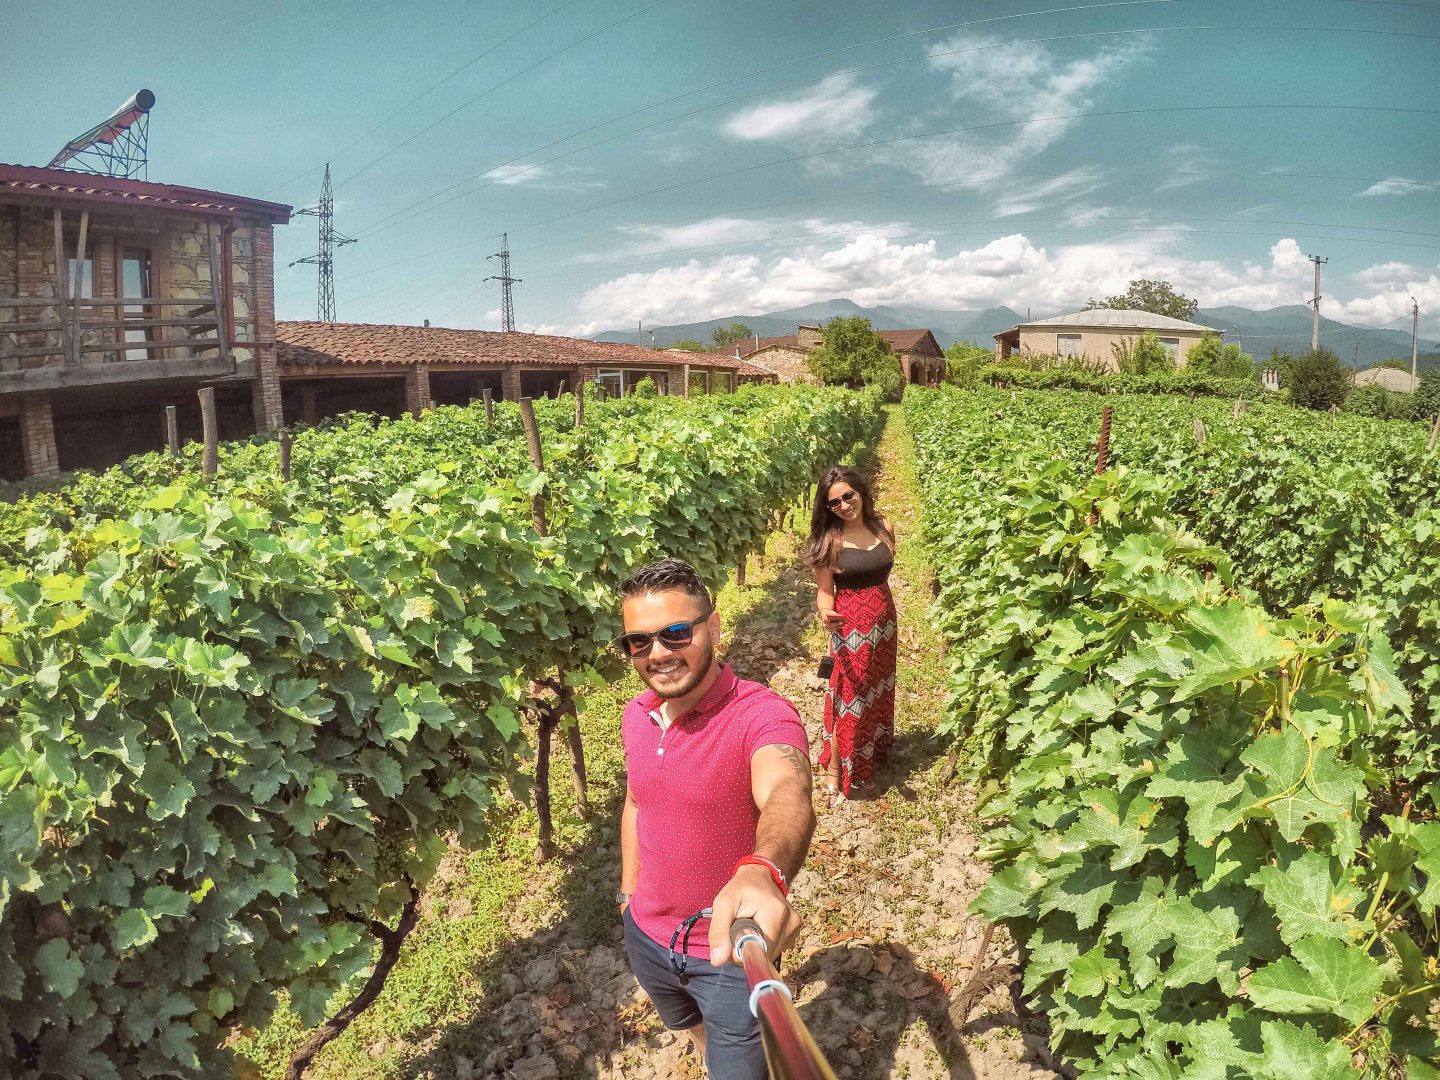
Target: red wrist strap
point(775, 873)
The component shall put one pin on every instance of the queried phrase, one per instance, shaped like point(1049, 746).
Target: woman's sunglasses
point(674, 637)
point(844, 500)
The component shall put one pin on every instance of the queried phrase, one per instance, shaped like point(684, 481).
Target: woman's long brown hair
point(823, 550)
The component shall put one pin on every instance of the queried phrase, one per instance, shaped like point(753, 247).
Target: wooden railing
point(195, 329)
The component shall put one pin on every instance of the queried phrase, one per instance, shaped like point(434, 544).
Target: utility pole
point(507, 296)
point(1315, 330)
point(324, 258)
point(1414, 343)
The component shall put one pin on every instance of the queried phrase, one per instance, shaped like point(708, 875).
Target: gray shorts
point(717, 996)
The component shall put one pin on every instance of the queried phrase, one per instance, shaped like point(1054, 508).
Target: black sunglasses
point(679, 961)
point(844, 500)
point(674, 637)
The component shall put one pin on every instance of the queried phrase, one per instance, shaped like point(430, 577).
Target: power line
point(426, 93)
point(925, 231)
point(502, 82)
point(381, 224)
point(878, 191)
point(994, 125)
point(766, 70)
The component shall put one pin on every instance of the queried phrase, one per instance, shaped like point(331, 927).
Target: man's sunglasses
point(674, 637)
point(844, 500)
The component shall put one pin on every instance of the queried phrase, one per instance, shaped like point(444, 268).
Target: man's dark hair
point(667, 575)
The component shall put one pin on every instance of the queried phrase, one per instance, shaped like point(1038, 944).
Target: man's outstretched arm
point(780, 785)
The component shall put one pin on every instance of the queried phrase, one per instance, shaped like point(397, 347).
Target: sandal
point(833, 796)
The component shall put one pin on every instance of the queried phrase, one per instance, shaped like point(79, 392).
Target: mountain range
point(1286, 329)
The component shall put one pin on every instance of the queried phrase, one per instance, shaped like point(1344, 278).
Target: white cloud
point(517, 174)
point(724, 231)
point(1082, 217)
point(541, 176)
point(1387, 273)
point(838, 105)
point(1188, 163)
point(1398, 185)
point(1021, 198)
point(874, 269)
point(989, 83)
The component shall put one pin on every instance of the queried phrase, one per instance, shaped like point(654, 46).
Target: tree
point(852, 354)
point(1397, 362)
point(688, 344)
point(1316, 380)
point(963, 362)
point(1145, 356)
point(1156, 297)
point(729, 335)
point(1209, 357)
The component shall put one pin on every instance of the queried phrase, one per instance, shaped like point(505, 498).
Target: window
point(1067, 345)
point(1172, 347)
point(612, 382)
point(85, 289)
point(135, 282)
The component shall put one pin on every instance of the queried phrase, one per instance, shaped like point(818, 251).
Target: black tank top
point(863, 569)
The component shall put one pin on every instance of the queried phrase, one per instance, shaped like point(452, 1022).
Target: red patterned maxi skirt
point(860, 703)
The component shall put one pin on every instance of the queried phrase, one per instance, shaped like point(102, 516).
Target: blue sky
point(952, 194)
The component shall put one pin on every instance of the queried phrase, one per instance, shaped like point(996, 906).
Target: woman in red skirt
point(852, 549)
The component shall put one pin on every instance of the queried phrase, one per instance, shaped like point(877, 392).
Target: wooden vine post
point(1200, 432)
point(1102, 455)
point(1330, 422)
point(285, 454)
point(489, 399)
point(208, 427)
point(1434, 433)
point(172, 430)
point(552, 711)
point(580, 405)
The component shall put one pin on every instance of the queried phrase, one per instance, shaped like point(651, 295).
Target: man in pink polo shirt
point(717, 815)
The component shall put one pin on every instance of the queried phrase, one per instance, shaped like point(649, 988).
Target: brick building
point(329, 368)
point(119, 297)
point(921, 358)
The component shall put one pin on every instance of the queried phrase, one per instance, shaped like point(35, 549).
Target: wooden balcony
point(110, 340)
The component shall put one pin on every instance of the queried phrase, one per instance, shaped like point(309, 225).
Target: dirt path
point(886, 969)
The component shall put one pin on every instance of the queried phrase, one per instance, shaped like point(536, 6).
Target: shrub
point(1380, 403)
point(1427, 395)
point(1316, 380)
point(1142, 356)
point(964, 362)
point(1181, 382)
point(1209, 356)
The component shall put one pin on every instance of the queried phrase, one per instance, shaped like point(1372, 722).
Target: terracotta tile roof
point(743, 367)
point(381, 343)
point(30, 180)
point(901, 341)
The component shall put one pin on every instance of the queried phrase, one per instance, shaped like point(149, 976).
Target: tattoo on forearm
point(799, 762)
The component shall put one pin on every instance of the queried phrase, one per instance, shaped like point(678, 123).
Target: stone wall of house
point(786, 362)
point(808, 337)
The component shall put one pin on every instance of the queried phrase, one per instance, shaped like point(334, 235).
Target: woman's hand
point(832, 618)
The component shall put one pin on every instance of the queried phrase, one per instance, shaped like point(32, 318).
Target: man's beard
point(693, 671)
